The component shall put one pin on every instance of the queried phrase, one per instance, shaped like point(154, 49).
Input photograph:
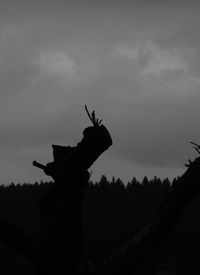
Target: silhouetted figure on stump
point(61, 206)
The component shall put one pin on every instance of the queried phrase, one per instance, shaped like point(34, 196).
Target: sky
point(136, 63)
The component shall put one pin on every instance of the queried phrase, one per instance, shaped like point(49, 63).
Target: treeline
point(113, 211)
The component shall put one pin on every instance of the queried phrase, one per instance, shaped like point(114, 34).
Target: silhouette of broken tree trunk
point(59, 247)
point(61, 206)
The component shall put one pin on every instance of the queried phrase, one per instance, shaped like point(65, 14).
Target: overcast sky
point(137, 63)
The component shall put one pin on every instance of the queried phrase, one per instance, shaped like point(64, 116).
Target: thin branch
point(95, 121)
point(88, 114)
point(196, 146)
point(14, 237)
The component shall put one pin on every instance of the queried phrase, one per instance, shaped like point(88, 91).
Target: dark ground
point(112, 215)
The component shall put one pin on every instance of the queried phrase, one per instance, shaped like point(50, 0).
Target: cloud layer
point(139, 70)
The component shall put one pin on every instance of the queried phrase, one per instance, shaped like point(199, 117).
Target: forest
point(113, 212)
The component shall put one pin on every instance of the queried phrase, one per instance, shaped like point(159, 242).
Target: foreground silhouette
point(141, 253)
point(58, 250)
point(61, 207)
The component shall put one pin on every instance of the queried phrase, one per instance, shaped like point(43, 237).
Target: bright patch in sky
point(56, 64)
point(161, 60)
